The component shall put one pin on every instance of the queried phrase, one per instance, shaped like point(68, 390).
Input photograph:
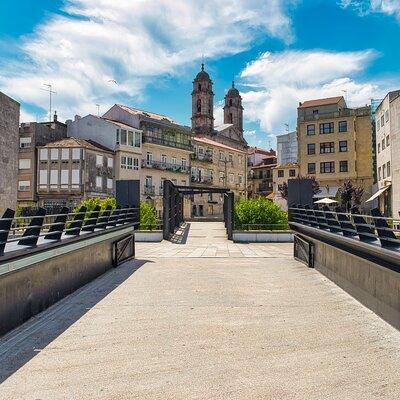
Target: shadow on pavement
point(25, 342)
point(181, 235)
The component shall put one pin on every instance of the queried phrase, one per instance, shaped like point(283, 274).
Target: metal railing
point(206, 180)
point(374, 229)
point(165, 142)
point(18, 232)
point(165, 166)
point(206, 157)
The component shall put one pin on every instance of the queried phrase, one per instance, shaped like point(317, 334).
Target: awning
point(378, 193)
point(326, 192)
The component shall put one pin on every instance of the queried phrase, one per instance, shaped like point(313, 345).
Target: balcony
point(165, 142)
point(165, 166)
point(149, 190)
point(206, 157)
point(205, 180)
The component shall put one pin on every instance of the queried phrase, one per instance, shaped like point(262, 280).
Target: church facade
point(220, 152)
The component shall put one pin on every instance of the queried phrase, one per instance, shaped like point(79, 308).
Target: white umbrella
point(325, 200)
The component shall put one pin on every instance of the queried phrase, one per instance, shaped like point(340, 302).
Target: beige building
point(387, 151)
point(32, 135)
point(215, 165)
point(165, 153)
point(282, 173)
point(335, 144)
point(71, 170)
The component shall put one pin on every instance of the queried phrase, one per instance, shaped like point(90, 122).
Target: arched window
point(209, 106)
point(199, 105)
point(231, 118)
point(199, 86)
point(230, 102)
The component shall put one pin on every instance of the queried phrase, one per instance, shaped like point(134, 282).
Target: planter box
point(263, 236)
point(148, 236)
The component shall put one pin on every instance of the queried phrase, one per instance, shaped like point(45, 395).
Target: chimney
point(55, 116)
point(299, 103)
point(77, 117)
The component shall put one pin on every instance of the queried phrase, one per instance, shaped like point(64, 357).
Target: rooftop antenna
point(233, 79)
point(287, 128)
point(51, 92)
point(98, 109)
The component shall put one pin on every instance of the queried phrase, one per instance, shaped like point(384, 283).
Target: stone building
point(335, 144)
point(260, 165)
point(9, 120)
point(220, 154)
point(32, 135)
point(166, 151)
point(124, 140)
point(71, 170)
point(387, 151)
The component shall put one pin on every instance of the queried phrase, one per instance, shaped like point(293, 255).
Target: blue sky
point(280, 52)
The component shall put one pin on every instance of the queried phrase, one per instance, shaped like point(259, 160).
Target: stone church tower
point(202, 103)
point(233, 110)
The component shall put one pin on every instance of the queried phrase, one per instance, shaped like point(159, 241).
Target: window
point(342, 146)
point(230, 157)
point(149, 181)
point(64, 178)
point(75, 178)
point(110, 162)
point(163, 158)
point(149, 158)
point(326, 127)
point(117, 137)
point(342, 126)
point(310, 148)
point(24, 143)
point(24, 186)
point(382, 121)
point(387, 141)
point(388, 168)
point(281, 173)
point(310, 129)
point(109, 183)
point(240, 179)
point(240, 159)
point(43, 177)
point(54, 178)
point(173, 160)
point(386, 115)
point(315, 112)
point(379, 148)
point(292, 173)
point(327, 147)
point(343, 166)
point(99, 160)
point(221, 156)
point(379, 124)
point(184, 163)
point(379, 173)
point(137, 139)
point(136, 164)
point(43, 154)
point(311, 168)
point(327, 167)
point(384, 171)
point(54, 154)
point(130, 138)
point(200, 150)
point(383, 144)
point(221, 177)
point(231, 178)
point(123, 136)
point(99, 182)
point(76, 154)
point(24, 163)
point(64, 154)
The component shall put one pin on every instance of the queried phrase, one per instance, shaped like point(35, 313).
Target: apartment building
point(282, 173)
point(286, 148)
point(260, 166)
point(166, 149)
point(31, 136)
point(123, 139)
point(387, 150)
point(335, 144)
point(9, 120)
point(72, 169)
point(215, 164)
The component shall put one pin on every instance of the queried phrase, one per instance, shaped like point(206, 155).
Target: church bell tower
point(233, 110)
point(202, 104)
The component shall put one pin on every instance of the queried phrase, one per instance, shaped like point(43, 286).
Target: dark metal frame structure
point(173, 206)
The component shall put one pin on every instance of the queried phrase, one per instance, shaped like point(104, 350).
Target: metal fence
point(374, 229)
point(18, 232)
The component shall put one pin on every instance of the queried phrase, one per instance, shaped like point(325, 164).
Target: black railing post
point(74, 228)
point(57, 227)
point(90, 223)
point(32, 232)
point(105, 216)
point(5, 226)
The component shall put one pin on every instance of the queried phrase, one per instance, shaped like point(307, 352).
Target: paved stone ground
point(204, 328)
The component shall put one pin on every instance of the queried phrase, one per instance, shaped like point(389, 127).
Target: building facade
point(124, 140)
point(71, 170)
point(32, 135)
point(166, 150)
point(387, 150)
point(335, 144)
point(9, 120)
point(286, 148)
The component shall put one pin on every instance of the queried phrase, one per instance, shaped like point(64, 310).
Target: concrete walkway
point(171, 327)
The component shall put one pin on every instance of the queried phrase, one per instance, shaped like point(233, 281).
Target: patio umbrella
point(325, 200)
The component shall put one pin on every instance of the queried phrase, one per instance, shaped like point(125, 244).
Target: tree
point(148, 217)
point(350, 195)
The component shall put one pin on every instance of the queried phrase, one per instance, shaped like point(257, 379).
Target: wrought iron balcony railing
point(166, 142)
point(165, 166)
point(206, 180)
point(206, 157)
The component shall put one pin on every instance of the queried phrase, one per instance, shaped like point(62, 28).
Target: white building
point(286, 146)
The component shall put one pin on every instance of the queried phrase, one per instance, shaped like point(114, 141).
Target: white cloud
point(219, 113)
point(132, 42)
point(249, 133)
point(363, 7)
point(278, 82)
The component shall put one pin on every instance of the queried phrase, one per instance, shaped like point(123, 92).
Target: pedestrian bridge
point(204, 318)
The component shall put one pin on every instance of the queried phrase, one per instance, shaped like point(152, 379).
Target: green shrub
point(91, 203)
point(148, 217)
point(259, 213)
